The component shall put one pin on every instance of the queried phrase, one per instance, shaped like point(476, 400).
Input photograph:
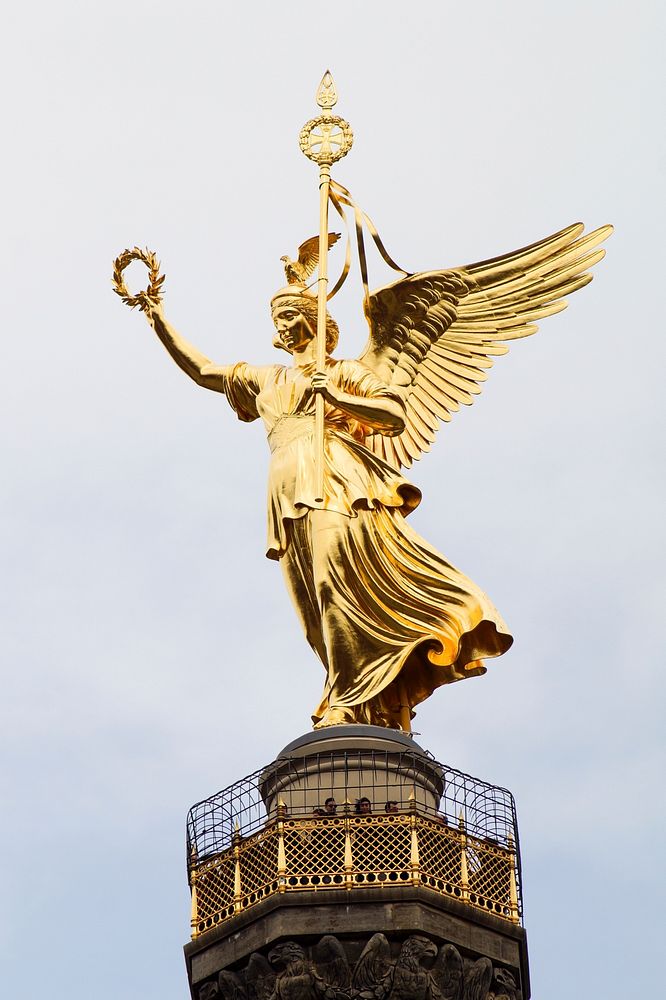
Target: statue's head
point(294, 312)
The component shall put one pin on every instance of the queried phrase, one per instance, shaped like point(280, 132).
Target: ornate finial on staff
point(327, 95)
point(324, 140)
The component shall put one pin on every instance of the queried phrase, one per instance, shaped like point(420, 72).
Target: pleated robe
point(388, 616)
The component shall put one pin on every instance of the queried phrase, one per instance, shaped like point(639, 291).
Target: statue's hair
point(307, 305)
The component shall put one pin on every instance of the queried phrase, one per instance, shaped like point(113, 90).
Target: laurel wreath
point(153, 294)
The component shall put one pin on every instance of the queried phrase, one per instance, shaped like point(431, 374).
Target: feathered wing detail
point(331, 962)
point(447, 973)
point(259, 977)
point(478, 979)
point(308, 253)
point(434, 335)
point(373, 967)
point(231, 986)
point(209, 991)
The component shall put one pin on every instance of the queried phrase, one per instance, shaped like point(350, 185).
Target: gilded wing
point(434, 335)
point(308, 254)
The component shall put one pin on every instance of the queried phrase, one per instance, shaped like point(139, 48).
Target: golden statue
point(389, 618)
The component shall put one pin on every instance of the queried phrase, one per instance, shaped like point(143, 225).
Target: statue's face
point(293, 329)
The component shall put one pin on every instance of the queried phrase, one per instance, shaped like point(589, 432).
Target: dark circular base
point(351, 738)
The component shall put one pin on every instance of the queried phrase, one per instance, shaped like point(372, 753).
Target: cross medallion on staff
point(326, 139)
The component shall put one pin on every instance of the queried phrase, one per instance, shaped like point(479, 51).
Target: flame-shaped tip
point(326, 94)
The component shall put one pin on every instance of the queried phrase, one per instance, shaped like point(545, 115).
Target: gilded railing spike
point(281, 853)
point(348, 863)
point(464, 872)
point(194, 857)
point(513, 888)
point(414, 849)
point(281, 863)
point(194, 911)
point(238, 889)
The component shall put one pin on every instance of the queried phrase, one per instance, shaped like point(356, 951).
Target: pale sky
point(150, 653)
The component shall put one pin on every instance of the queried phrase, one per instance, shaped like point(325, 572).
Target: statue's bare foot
point(335, 717)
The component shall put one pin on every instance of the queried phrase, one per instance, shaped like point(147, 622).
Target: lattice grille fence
point(380, 844)
point(258, 863)
point(446, 830)
point(490, 870)
point(440, 855)
point(341, 853)
point(213, 893)
point(314, 848)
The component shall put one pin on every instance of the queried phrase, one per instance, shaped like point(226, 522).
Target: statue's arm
point(195, 364)
point(381, 412)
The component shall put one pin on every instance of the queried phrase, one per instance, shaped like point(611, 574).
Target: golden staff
point(324, 140)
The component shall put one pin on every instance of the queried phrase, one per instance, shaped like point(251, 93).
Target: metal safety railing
point(349, 852)
point(234, 865)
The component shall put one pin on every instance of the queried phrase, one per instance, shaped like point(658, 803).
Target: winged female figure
point(389, 618)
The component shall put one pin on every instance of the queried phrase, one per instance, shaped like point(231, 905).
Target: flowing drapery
point(389, 617)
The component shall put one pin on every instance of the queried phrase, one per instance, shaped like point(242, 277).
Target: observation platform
point(356, 810)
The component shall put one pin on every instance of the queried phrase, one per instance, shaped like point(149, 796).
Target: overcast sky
point(150, 654)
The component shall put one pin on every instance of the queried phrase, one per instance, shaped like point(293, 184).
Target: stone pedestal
point(414, 932)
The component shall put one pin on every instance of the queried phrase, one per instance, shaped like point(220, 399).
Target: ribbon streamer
point(339, 196)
